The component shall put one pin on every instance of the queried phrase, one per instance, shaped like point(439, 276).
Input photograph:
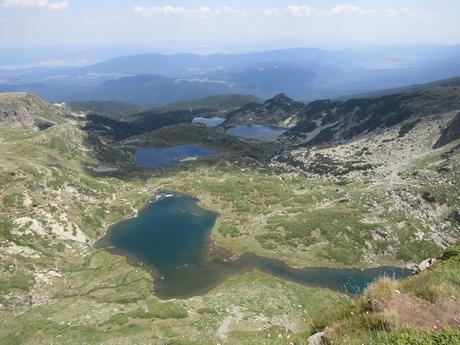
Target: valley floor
point(56, 288)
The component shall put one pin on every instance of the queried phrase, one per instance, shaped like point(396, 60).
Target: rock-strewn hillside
point(26, 110)
point(384, 148)
point(328, 122)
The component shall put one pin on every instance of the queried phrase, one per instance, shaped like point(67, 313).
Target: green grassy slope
point(56, 288)
point(374, 318)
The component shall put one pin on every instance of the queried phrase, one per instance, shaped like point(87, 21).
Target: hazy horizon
point(59, 49)
point(225, 26)
point(56, 56)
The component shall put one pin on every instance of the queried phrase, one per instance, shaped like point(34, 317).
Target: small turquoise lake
point(256, 132)
point(170, 237)
point(157, 158)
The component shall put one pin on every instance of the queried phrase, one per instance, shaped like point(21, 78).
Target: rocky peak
point(280, 111)
point(280, 101)
point(26, 110)
point(280, 98)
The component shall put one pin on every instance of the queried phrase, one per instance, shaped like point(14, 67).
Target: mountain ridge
point(26, 110)
point(303, 74)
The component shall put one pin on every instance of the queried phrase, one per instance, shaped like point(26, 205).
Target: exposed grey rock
point(456, 215)
point(445, 168)
point(381, 233)
point(425, 264)
point(413, 267)
point(317, 339)
point(25, 110)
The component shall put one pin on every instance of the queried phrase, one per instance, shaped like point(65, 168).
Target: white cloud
point(159, 11)
point(289, 11)
point(347, 9)
point(169, 11)
point(401, 12)
point(58, 6)
point(46, 4)
point(300, 11)
point(204, 11)
point(227, 10)
point(270, 12)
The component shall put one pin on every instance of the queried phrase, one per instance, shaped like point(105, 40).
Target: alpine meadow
point(229, 172)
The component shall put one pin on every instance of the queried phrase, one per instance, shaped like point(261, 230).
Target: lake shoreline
point(212, 254)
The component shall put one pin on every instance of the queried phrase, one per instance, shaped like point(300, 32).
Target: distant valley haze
point(302, 73)
point(151, 53)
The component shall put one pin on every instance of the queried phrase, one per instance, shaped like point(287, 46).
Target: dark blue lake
point(257, 132)
point(157, 158)
point(212, 122)
point(170, 237)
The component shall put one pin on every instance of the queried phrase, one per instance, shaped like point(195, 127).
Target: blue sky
point(232, 25)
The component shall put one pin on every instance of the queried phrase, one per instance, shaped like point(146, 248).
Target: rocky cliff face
point(450, 133)
point(25, 110)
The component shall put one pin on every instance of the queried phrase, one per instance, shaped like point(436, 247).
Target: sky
point(226, 26)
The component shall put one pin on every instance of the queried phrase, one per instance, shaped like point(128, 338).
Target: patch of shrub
point(229, 230)
point(418, 251)
point(320, 322)
point(343, 252)
point(12, 200)
point(382, 321)
point(378, 294)
point(19, 280)
point(428, 197)
point(270, 241)
point(428, 292)
point(155, 310)
point(5, 230)
point(5, 179)
point(207, 310)
point(451, 254)
point(60, 247)
point(447, 336)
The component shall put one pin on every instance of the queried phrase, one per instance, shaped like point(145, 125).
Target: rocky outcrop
point(422, 266)
point(425, 264)
point(25, 110)
point(317, 339)
point(450, 133)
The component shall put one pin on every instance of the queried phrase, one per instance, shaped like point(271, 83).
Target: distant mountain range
point(318, 123)
point(303, 74)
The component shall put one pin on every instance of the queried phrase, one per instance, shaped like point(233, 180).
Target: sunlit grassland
point(304, 221)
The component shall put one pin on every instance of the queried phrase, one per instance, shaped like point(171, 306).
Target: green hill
point(220, 103)
point(110, 109)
